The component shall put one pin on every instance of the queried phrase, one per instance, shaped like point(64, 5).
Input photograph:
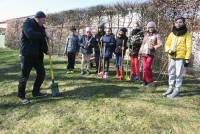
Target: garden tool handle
point(50, 62)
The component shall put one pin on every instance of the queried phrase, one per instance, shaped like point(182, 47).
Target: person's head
point(40, 18)
point(108, 31)
point(88, 31)
point(101, 28)
point(73, 30)
point(122, 32)
point(136, 25)
point(151, 27)
point(179, 22)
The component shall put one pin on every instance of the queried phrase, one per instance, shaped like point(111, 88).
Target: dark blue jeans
point(27, 63)
point(106, 64)
point(97, 56)
point(71, 60)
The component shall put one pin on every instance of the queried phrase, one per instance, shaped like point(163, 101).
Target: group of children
point(140, 45)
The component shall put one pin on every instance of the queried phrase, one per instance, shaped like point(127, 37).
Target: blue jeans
point(119, 62)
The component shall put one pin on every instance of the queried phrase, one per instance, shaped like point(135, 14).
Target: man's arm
point(30, 33)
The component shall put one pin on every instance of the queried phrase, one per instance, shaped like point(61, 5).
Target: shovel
point(54, 86)
point(127, 77)
point(100, 49)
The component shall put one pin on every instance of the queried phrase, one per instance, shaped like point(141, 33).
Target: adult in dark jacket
point(87, 43)
point(109, 44)
point(72, 49)
point(33, 45)
point(120, 51)
point(135, 42)
point(98, 37)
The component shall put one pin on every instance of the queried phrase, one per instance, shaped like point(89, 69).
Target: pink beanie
point(88, 29)
point(151, 24)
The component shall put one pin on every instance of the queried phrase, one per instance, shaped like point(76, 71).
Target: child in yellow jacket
point(179, 48)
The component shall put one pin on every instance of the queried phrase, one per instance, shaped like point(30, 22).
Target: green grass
point(90, 105)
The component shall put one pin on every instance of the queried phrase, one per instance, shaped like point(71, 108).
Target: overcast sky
point(18, 8)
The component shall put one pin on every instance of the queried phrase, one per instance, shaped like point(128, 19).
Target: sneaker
point(25, 101)
point(87, 72)
point(174, 94)
point(144, 84)
point(105, 76)
point(40, 94)
point(136, 78)
point(169, 91)
point(82, 72)
point(149, 86)
point(72, 71)
point(100, 75)
point(68, 72)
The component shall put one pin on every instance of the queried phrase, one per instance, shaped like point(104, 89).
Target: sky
point(18, 8)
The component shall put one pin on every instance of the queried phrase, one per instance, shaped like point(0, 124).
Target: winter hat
point(151, 24)
point(40, 14)
point(72, 28)
point(124, 30)
point(101, 26)
point(88, 29)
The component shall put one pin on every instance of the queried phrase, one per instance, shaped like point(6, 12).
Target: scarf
point(179, 31)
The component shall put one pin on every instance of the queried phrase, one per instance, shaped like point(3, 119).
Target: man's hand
point(171, 52)
point(186, 63)
point(48, 36)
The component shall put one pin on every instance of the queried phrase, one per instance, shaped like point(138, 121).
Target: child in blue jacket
point(109, 44)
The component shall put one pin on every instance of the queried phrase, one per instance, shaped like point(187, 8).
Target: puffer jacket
point(109, 44)
point(33, 42)
point(119, 45)
point(87, 44)
point(73, 44)
point(135, 42)
point(181, 45)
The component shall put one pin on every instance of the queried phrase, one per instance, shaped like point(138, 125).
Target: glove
point(171, 52)
point(186, 63)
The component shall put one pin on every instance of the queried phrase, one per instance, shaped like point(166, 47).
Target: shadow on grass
point(102, 91)
point(4, 76)
point(82, 93)
point(193, 92)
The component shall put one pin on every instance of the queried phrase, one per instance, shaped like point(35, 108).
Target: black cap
point(124, 30)
point(102, 26)
point(72, 28)
point(180, 18)
point(40, 14)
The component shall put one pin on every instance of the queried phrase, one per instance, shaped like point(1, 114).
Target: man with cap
point(72, 49)
point(87, 43)
point(33, 45)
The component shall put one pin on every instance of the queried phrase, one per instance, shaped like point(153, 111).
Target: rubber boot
point(117, 73)
point(122, 74)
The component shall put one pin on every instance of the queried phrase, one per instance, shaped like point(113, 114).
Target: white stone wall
point(196, 51)
point(2, 41)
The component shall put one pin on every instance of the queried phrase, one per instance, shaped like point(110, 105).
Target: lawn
point(91, 105)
